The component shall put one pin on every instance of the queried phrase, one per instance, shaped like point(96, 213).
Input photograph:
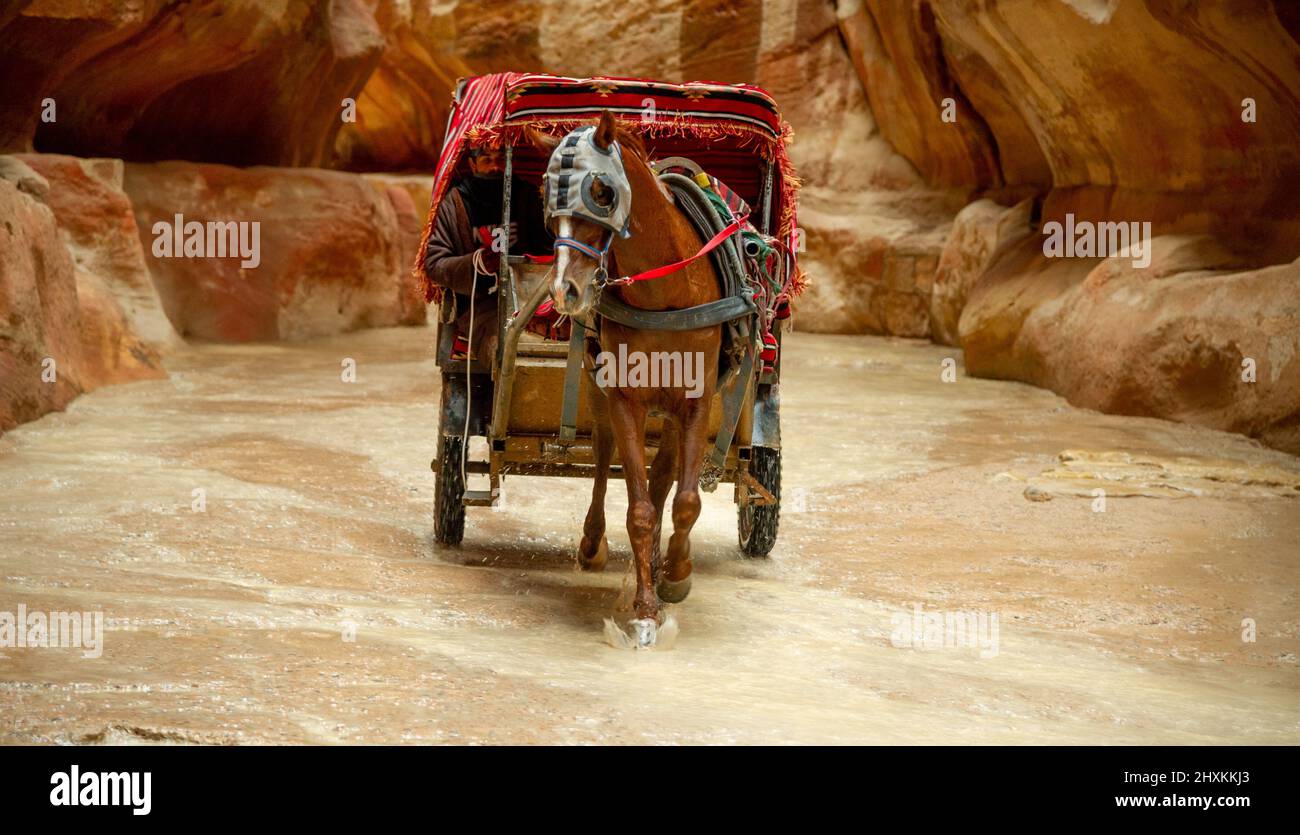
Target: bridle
point(600, 256)
point(601, 278)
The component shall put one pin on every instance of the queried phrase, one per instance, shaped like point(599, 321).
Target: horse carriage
point(719, 151)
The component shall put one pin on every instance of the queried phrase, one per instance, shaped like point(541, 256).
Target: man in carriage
point(464, 249)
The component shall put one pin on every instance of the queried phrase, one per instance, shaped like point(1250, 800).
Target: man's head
point(488, 163)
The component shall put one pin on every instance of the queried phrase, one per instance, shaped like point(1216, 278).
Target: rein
point(602, 278)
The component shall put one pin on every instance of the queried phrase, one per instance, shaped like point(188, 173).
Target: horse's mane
point(631, 142)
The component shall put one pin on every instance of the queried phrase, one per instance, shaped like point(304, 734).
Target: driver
point(460, 256)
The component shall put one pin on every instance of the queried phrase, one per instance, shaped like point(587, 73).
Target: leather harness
point(735, 309)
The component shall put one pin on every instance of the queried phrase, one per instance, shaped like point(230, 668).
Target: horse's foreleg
point(662, 472)
point(675, 582)
point(627, 420)
point(593, 551)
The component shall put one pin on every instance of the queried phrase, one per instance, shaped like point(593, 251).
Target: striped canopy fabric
point(479, 101)
point(533, 97)
point(731, 130)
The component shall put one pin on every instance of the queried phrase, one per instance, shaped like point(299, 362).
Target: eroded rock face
point(112, 349)
point(1182, 115)
point(326, 255)
point(1189, 337)
point(1092, 109)
point(898, 54)
point(62, 332)
point(38, 312)
point(1141, 100)
point(410, 196)
point(979, 233)
point(245, 83)
point(97, 224)
point(873, 261)
point(251, 82)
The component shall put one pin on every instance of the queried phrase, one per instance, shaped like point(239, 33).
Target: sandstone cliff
point(1184, 116)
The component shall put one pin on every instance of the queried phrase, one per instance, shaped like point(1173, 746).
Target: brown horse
point(659, 234)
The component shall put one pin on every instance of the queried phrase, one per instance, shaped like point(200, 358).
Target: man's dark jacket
point(470, 210)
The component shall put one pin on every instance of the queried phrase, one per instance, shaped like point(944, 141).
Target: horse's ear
point(544, 142)
point(605, 131)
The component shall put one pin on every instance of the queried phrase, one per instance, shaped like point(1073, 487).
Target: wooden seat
point(532, 345)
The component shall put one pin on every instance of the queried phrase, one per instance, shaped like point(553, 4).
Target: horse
point(656, 233)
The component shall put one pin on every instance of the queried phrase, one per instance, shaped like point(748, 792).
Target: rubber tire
point(449, 505)
point(757, 524)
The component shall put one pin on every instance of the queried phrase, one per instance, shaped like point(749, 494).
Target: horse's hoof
point(596, 562)
point(673, 591)
point(644, 632)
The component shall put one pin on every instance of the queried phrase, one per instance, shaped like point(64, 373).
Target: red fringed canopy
point(730, 130)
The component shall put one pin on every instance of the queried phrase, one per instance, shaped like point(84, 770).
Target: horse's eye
point(601, 194)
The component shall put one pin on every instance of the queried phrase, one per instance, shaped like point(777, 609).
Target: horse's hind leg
point(675, 582)
point(663, 470)
point(593, 551)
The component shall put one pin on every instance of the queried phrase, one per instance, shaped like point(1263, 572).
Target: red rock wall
point(237, 81)
point(62, 329)
point(38, 311)
point(330, 251)
point(97, 224)
point(1101, 109)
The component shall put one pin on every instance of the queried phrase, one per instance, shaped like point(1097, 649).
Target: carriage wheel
point(758, 523)
point(449, 506)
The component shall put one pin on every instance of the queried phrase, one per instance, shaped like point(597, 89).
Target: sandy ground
point(232, 625)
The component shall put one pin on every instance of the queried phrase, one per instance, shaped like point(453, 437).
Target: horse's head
point(588, 202)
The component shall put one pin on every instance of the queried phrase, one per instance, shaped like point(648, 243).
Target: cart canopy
point(732, 131)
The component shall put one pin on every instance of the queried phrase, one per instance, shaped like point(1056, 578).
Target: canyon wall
point(69, 317)
point(365, 86)
point(938, 140)
point(1179, 120)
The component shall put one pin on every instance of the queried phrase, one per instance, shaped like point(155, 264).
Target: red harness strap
point(666, 269)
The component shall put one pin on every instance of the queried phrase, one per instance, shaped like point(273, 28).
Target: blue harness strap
point(600, 256)
point(586, 249)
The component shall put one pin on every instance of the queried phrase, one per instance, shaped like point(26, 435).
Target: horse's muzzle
point(573, 298)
